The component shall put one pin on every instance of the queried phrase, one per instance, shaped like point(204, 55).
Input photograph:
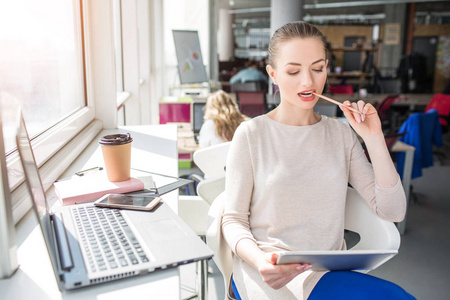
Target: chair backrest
point(211, 187)
point(441, 103)
point(375, 233)
point(391, 138)
point(384, 106)
point(251, 103)
point(211, 160)
point(344, 89)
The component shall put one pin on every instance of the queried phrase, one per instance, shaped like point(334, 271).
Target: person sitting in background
point(251, 73)
point(222, 117)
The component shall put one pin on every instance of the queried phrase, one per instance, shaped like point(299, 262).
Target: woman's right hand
point(277, 276)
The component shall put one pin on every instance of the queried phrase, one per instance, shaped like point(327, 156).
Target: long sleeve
point(387, 203)
point(239, 186)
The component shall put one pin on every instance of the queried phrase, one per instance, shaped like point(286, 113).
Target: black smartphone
point(135, 202)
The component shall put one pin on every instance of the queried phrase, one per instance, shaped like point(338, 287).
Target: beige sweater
point(286, 189)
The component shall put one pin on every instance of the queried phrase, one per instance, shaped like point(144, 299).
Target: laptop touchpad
point(163, 230)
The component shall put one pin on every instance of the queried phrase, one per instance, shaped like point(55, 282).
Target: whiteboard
point(189, 56)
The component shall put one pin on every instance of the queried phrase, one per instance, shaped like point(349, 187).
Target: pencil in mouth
point(336, 102)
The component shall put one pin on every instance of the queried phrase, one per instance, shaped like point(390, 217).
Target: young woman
point(222, 117)
point(287, 178)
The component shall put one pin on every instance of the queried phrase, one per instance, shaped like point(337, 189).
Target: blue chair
point(422, 131)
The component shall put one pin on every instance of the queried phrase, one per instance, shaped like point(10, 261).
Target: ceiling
point(260, 9)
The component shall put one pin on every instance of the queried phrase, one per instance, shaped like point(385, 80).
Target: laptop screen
point(35, 187)
point(198, 111)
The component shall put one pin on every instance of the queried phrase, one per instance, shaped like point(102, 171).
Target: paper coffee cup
point(116, 149)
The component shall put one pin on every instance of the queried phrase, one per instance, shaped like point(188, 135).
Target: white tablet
point(335, 260)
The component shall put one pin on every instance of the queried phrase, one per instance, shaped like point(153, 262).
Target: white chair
point(375, 233)
point(211, 160)
point(193, 210)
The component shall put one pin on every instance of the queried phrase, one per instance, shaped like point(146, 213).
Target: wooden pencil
point(336, 102)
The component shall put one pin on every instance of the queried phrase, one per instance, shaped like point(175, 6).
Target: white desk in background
point(411, 100)
point(154, 149)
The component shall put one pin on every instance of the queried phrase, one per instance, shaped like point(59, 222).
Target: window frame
point(72, 135)
point(57, 147)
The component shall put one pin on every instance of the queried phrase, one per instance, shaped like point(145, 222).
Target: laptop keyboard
point(106, 239)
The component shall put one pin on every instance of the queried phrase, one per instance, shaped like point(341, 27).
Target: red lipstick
point(307, 95)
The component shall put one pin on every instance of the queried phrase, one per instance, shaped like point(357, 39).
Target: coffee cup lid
point(116, 139)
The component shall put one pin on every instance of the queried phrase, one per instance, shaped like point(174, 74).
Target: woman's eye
point(318, 70)
point(293, 73)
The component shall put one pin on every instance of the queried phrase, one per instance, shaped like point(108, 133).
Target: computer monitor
point(198, 111)
point(326, 110)
point(8, 247)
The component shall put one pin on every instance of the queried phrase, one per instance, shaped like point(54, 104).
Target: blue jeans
point(354, 285)
point(348, 285)
point(235, 291)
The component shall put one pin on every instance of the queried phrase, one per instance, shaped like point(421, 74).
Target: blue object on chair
point(235, 291)
point(422, 131)
point(191, 188)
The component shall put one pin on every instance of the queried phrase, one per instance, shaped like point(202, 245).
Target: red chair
point(384, 109)
point(251, 103)
point(345, 89)
point(441, 103)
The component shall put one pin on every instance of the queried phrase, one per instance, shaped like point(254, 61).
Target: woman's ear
point(271, 73)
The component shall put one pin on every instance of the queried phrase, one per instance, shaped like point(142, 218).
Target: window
point(41, 64)
point(58, 61)
point(42, 70)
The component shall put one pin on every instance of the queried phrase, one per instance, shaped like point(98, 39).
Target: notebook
point(88, 245)
point(91, 187)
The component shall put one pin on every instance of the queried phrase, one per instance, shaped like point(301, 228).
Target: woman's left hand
point(366, 124)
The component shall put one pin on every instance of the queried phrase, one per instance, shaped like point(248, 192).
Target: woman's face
point(300, 70)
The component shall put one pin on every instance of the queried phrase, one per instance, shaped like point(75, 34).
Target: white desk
point(154, 149)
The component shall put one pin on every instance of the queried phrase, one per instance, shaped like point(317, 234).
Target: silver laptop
point(90, 245)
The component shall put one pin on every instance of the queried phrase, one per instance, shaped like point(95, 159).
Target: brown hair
point(224, 111)
point(298, 29)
